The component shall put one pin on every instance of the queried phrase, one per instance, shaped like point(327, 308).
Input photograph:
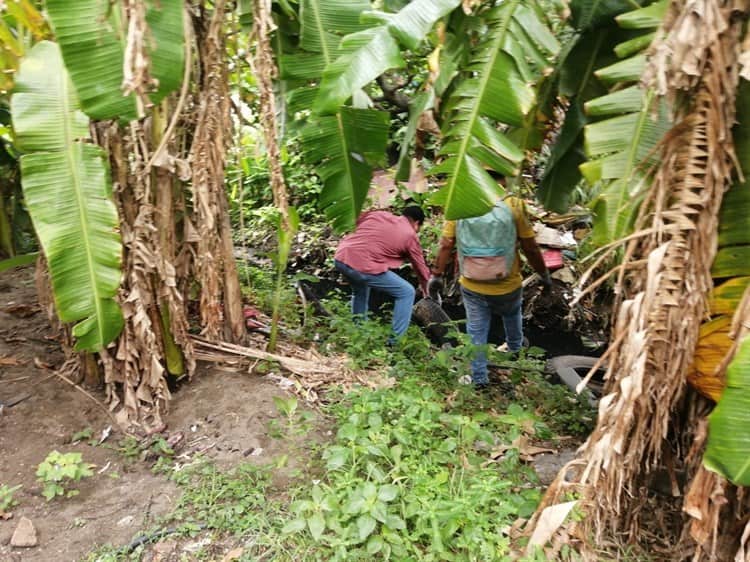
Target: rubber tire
point(428, 314)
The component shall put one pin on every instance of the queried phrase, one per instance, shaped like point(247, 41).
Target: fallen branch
point(91, 397)
point(314, 370)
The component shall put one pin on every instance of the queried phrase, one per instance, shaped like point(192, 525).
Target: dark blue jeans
point(479, 311)
point(391, 284)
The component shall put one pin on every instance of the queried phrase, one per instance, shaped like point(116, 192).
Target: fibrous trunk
point(648, 432)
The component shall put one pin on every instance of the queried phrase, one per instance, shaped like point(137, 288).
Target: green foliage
point(86, 434)
point(394, 485)
point(90, 34)
point(295, 422)
point(250, 187)
point(496, 91)
point(6, 497)
point(68, 192)
point(728, 450)
point(234, 501)
point(59, 470)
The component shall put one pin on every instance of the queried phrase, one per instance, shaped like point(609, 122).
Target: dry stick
point(291, 363)
point(15, 380)
point(183, 92)
point(615, 344)
point(620, 268)
point(98, 402)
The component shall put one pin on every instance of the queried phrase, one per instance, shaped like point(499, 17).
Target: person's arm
point(416, 258)
point(533, 254)
point(444, 255)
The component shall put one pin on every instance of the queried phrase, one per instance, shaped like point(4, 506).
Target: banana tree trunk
point(221, 299)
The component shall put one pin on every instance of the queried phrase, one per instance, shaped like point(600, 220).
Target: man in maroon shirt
point(382, 242)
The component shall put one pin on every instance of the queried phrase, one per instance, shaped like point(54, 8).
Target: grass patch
point(425, 470)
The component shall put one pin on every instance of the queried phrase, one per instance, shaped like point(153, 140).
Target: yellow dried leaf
point(713, 345)
point(726, 297)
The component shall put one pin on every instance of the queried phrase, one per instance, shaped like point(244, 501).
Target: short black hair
point(414, 213)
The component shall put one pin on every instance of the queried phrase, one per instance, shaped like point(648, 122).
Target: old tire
point(428, 314)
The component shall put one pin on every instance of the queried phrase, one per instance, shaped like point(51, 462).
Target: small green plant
point(58, 470)
point(86, 434)
point(295, 422)
point(6, 497)
point(129, 447)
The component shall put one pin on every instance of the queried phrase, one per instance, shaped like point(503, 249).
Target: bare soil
point(222, 413)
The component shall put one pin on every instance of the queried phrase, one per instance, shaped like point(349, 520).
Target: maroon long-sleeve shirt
point(383, 241)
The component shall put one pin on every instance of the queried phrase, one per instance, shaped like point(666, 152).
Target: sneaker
point(464, 379)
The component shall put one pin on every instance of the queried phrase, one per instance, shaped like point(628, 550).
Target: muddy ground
point(222, 413)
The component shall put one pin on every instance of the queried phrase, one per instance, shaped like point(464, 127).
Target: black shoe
point(482, 388)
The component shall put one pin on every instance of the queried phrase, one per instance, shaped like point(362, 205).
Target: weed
point(404, 478)
point(58, 470)
point(7, 501)
point(294, 423)
point(86, 434)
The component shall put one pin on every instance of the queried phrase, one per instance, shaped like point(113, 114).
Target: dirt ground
point(222, 413)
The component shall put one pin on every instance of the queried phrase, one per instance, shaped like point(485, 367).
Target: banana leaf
point(713, 345)
point(369, 53)
point(17, 261)
point(495, 90)
point(648, 17)
point(731, 261)
point(91, 37)
point(726, 297)
point(586, 14)
point(339, 146)
point(577, 82)
point(414, 21)
point(67, 189)
point(728, 449)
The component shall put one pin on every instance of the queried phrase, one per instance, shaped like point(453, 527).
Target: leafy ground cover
point(426, 469)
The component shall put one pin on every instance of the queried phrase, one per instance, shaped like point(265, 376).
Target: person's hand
point(435, 287)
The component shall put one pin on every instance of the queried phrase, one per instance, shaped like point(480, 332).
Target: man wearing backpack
point(489, 262)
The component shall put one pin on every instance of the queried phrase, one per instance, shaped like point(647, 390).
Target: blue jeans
point(479, 311)
point(389, 283)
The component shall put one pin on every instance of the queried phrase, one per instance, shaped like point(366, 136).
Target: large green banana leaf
point(92, 40)
point(369, 53)
point(339, 146)
point(329, 142)
point(624, 129)
point(728, 450)
point(577, 83)
point(495, 89)
point(587, 72)
point(67, 189)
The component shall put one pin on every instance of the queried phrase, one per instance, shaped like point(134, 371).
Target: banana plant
point(92, 37)
point(67, 188)
point(728, 448)
point(20, 24)
point(609, 130)
point(494, 90)
point(344, 46)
